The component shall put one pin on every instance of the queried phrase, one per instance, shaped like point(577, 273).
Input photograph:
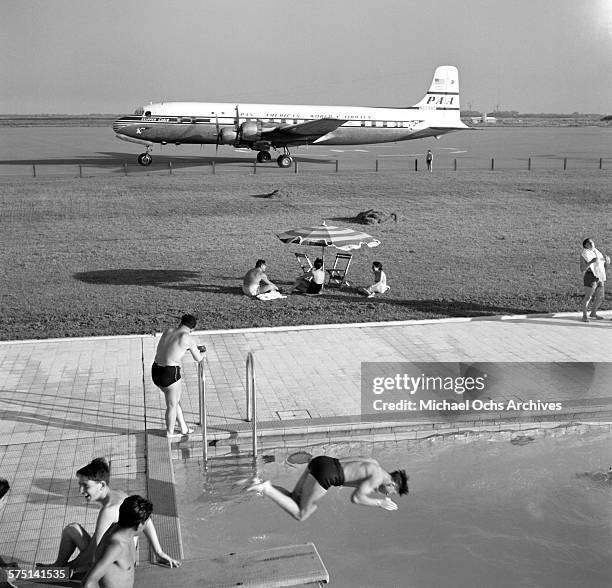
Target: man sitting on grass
point(256, 282)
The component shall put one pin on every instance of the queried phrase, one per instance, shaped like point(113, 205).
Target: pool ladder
point(251, 403)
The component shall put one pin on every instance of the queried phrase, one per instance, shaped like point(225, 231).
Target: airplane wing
point(313, 128)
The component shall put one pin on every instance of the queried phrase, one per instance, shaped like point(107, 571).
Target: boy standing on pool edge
point(166, 370)
point(362, 473)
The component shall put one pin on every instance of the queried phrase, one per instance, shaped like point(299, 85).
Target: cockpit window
point(139, 111)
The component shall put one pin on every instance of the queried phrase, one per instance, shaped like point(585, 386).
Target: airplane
point(262, 127)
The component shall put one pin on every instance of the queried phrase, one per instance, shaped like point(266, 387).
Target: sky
point(111, 56)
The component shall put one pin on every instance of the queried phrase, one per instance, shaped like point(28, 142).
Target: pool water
point(483, 512)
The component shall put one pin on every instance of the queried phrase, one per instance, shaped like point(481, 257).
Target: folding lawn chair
point(337, 274)
point(304, 262)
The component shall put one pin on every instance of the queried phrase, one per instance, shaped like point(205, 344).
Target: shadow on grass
point(135, 277)
point(446, 308)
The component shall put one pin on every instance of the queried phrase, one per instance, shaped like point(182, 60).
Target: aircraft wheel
point(263, 156)
point(145, 159)
point(284, 160)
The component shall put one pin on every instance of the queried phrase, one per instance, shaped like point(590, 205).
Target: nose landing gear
point(145, 158)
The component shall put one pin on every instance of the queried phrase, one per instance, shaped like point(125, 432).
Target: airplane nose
point(119, 124)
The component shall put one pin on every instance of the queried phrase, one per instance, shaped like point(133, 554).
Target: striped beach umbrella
point(323, 235)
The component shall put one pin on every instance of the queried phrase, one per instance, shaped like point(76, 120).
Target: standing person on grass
point(593, 265)
point(166, 370)
point(429, 160)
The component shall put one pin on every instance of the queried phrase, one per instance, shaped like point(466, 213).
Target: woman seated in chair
point(380, 281)
point(312, 281)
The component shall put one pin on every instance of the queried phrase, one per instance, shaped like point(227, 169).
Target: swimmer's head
point(98, 470)
point(93, 480)
point(189, 321)
point(4, 488)
point(400, 481)
point(134, 512)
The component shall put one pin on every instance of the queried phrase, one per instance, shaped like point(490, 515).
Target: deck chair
point(304, 261)
point(337, 274)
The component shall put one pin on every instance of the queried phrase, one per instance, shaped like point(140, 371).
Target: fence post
point(492, 163)
point(170, 167)
point(125, 169)
point(416, 165)
point(529, 164)
point(295, 169)
point(255, 167)
point(564, 163)
point(213, 166)
point(34, 169)
point(336, 166)
point(377, 165)
point(80, 171)
point(455, 164)
point(601, 163)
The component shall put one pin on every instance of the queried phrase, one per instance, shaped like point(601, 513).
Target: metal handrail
point(203, 411)
point(251, 398)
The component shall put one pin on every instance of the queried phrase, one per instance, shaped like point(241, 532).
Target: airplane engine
point(228, 136)
point(250, 130)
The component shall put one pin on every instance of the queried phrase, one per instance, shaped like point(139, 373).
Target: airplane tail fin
point(442, 98)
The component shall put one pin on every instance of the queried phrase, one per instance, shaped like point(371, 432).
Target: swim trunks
point(327, 471)
point(251, 290)
point(590, 280)
point(314, 288)
point(165, 375)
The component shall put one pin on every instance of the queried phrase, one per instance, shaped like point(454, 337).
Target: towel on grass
point(272, 295)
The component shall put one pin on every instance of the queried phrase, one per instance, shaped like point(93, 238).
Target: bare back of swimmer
point(362, 473)
point(166, 369)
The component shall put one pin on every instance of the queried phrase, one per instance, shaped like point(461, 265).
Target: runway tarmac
point(511, 148)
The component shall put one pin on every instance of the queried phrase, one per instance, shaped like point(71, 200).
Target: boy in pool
point(362, 473)
point(116, 554)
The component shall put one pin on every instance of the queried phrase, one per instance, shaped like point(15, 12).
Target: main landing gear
point(284, 160)
point(263, 156)
point(145, 158)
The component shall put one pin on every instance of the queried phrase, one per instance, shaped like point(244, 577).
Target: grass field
point(126, 255)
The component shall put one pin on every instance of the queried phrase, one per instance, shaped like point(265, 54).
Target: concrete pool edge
point(240, 442)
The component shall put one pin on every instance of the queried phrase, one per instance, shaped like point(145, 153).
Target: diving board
point(292, 565)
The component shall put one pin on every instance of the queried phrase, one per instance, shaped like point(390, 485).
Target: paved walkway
point(63, 402)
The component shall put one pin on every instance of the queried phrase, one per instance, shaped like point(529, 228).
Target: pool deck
point(65, 401)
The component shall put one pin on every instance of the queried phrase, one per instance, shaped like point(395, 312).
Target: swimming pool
point(481, 512)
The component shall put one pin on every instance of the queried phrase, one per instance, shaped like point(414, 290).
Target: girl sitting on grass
point(380, 281)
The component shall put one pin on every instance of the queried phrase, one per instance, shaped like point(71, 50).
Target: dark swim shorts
point(314, 288)
point(327, 471)
point(589, 279)
point(165, 375)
